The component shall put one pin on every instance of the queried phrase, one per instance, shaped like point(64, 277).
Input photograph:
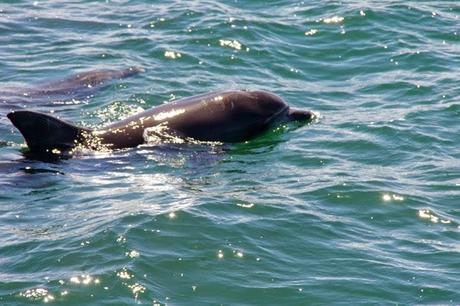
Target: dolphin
point(223, 116)
point(78, 84)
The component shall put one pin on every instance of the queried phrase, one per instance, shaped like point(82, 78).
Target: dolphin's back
point(227, 116)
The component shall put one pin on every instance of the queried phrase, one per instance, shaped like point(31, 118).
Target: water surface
point(359, 207)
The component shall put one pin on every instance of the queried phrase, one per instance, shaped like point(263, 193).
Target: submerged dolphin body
point(228, 116)
point(83, 80)
point(78, 84)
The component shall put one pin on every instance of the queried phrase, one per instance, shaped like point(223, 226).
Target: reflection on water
point(361, 203)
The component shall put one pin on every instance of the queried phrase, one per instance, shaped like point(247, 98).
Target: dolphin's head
point(269, 103)
point(275, 107)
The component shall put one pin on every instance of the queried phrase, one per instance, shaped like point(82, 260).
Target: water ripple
point(361, 203)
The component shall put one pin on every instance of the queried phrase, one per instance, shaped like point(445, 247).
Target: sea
point(360, 206)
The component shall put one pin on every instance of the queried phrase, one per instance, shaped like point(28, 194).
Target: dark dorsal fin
point(44, 133)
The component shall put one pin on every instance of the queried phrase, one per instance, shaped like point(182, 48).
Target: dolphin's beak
point(135, 70)
point(300, 115)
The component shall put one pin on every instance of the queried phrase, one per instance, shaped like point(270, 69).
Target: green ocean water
point(358, 207)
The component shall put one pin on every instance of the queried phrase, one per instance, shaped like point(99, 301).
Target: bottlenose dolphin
point(226, 116)
point(78, 84)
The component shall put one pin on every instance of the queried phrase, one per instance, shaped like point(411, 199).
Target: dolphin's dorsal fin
point(44, 133)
